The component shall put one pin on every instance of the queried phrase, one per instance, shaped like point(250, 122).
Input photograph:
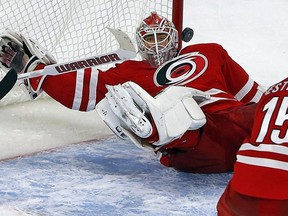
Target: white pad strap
point(118, 126)
point(131, 115)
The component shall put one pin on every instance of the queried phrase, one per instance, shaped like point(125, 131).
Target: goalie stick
point(125, 51)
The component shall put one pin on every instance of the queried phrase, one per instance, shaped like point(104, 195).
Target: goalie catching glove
point(23, 54)
point(131, 112)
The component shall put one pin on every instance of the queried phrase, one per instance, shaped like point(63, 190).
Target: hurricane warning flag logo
point(181, 70)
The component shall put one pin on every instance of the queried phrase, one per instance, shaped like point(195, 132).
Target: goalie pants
point(217, 145)
point(233, 203)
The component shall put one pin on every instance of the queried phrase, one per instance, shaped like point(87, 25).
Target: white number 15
point(277, 128)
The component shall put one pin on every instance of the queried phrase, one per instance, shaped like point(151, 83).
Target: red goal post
point(177, 18)
point(73, 29)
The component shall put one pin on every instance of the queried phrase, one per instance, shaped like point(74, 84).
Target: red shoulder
point(203, 47)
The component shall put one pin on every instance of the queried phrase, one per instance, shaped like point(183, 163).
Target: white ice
point(101, 175)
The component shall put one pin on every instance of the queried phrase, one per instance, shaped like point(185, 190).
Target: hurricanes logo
point(181, 70)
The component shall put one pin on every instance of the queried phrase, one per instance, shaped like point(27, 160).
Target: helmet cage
point(163, 40)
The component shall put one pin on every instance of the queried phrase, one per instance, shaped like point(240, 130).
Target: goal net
point(73, 29)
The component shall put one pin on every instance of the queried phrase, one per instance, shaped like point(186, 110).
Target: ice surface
point(105, 177)
point(108, 177)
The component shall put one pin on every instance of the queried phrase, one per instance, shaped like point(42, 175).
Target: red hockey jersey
point(206, 67)
point(261, 169)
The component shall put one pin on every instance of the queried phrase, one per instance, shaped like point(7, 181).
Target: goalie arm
point(12, 51)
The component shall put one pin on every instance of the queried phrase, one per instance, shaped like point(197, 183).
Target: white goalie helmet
point(157, 39)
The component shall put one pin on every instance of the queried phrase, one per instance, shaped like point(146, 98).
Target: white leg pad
point(174, 111)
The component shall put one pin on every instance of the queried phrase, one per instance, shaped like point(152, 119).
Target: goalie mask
point(157, 39)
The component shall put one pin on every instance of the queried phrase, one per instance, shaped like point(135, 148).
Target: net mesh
point(72, 29)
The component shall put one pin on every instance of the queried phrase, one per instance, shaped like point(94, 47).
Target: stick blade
point(123, 40)
point(7, 83)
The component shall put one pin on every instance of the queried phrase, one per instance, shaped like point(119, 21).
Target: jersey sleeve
point(74, 90)
point(239, 83)
point(83, 89)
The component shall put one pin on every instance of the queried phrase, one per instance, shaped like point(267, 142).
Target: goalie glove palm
point(21, 51)
point(23, 54)
point(12, 55)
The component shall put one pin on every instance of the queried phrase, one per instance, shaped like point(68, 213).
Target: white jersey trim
point(265, 148)
point(93, 89)
point(213, 99)
point(257, 96)
point(78, 90)
point(245, 89)
point(263, 162)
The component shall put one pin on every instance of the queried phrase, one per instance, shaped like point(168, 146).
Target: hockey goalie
point(192, 108)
